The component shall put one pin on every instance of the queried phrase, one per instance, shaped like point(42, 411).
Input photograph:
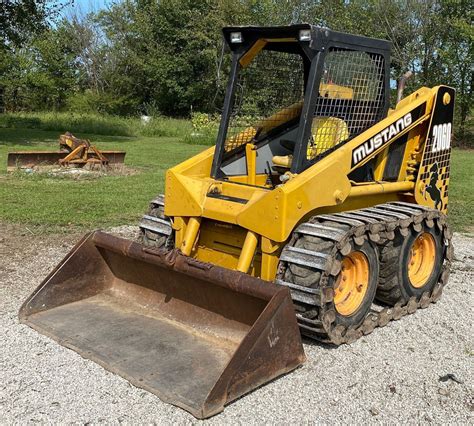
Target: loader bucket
point(196, 335)
point(32, 158)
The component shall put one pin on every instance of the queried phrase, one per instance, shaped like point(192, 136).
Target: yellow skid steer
point(319, 211)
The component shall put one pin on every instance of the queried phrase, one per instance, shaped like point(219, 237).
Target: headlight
point(305, 35)
point(236, 37)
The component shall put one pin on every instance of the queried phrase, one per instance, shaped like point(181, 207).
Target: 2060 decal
point(441, 137)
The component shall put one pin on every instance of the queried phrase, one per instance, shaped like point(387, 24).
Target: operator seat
point(326, 133)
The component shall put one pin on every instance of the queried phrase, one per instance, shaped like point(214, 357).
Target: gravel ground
point(392, 375)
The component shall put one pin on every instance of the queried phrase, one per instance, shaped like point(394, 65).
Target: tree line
point(166, 56)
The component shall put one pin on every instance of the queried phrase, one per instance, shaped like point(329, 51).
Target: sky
point(86, 6)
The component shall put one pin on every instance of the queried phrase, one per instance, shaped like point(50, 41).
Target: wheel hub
point(352, 283)
point(422, 259)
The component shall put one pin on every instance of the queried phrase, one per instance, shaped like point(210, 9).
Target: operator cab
point(294, 94)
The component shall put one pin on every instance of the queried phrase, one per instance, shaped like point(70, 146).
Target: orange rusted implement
point(73, 152)
point(195, 334)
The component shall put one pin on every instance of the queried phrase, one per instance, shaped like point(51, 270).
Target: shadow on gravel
point(311, 342)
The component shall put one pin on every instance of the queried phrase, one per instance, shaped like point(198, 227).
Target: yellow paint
point(190, 235)
point(80, 152)
point(327, 132)
point(251, 158)
point(274, 215)
point(252, 52)
point(271, 214)
point(364, 190)
point(351, 283)
point(270, 256)
point(221, 244)
point(280, 117)
point(264, 125)
point(380, 163)
point(446, 98)
point(241, 138)
point(422, 260)
point(186, 185)
point(412, 155)
point(248, 251)
point(334, 91)
point(260, 179)
point(255, 49)
point(359, 202)
point(269, 266)
point(179, 226)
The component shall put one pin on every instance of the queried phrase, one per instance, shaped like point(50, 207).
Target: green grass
point(53, 204)
point(461, 190)
point(50, 203)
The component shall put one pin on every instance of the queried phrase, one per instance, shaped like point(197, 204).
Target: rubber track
point(155, 227)
point(314, 305)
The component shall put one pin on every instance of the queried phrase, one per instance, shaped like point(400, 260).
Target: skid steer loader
point(318, 207)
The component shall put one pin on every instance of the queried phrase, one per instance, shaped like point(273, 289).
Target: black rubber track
point(156, 238)
point(311, 260)
point(394, 284)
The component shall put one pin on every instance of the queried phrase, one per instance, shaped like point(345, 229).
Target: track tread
point(157, 234)
point(387, 231)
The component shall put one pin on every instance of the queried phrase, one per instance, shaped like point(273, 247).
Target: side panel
point(325, 184)
point(433, 177)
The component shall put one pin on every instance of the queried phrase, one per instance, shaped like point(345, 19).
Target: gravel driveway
point(392, 375)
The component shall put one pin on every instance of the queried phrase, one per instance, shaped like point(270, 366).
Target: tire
point(394, 281)
point(308, 277)
point(356, 318)
point(154, 239)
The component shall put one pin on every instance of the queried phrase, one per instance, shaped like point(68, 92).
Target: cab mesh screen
point(350, 99)
point(269, 93)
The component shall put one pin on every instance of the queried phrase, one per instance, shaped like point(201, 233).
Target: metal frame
point(322, 40)
point(222, 133)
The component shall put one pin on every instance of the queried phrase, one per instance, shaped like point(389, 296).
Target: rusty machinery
point(74, 152)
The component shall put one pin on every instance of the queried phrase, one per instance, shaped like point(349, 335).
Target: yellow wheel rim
point(352, 283)
point(422, 259)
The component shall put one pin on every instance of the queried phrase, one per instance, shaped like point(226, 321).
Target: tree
point(457, 59)
point(42, 74)
point(431, 38)
point(20, 20)
point(166, 56)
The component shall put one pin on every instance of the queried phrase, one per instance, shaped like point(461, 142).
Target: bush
point(64, 122)
point(19, 121)
point(204, 129)
point(99, 124)
point(164, 126)
point(464, 137)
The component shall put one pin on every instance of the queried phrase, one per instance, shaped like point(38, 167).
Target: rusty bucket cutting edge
point(196, 335)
